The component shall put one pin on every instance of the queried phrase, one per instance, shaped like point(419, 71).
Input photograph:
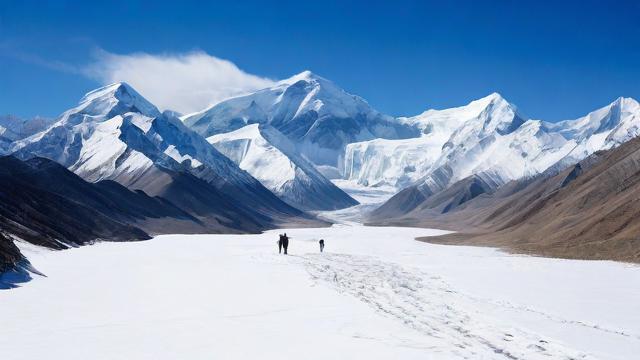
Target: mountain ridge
point(523, 151)
point(116, 134)
point(316, 114)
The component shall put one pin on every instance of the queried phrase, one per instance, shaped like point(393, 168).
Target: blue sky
point(554, 60)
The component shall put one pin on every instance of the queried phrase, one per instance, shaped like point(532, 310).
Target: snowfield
point(375, 293)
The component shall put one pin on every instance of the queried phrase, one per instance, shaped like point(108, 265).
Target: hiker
point(321, 244)
point(285, 242)
point(280, 245)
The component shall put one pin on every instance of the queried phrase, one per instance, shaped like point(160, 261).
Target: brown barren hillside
point(588, 211)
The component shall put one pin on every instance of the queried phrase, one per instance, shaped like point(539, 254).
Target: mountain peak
point(491, 102)
point(114, 89)
point(494, 98)
point(306, 75)
point(624, 102)
point(118, 95)
point(619, 106)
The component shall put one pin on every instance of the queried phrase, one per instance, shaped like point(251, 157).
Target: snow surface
point(375, 293)
point(365, 194)
point(248, 148)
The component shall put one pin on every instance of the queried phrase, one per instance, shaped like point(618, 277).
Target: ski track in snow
point(551, 317)
point(427, 304)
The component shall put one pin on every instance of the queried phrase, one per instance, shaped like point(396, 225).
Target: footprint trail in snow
point(428, 305)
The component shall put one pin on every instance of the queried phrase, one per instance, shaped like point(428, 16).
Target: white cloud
point(183, 82)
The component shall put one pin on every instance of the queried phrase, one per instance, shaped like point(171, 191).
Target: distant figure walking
point(280, 245)
point(285, 242)
point(321, 245)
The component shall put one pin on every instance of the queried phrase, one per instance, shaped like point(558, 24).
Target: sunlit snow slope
point(271, 158)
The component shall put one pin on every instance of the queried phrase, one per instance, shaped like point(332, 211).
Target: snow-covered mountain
point(314, 113)
point(530, 147)
point(283, 134)
point(271, 158)
point(402, 162)
point(491, 137)
point(485, 135)
point(497, 145)
point(116, 134)
point(488, 138)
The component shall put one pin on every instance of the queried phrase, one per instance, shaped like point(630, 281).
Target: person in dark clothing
point(321, 245)
point(285, 242)
point(280, 245)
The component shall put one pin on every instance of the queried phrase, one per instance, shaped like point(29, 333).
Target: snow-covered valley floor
point(374, 294)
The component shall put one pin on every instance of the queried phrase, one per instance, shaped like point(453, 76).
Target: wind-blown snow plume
point(185, 82)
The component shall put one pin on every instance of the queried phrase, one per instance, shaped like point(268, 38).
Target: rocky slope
point(587, 211)
point(45, 204)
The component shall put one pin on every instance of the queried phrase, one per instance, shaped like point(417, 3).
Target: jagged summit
point(485, 115)
point(476, 104)
point(113, 88)
point(622, 105)
point(620, 118)
point(626, 101)
point(493, 97)
point(118, 97)
point(306, 75)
